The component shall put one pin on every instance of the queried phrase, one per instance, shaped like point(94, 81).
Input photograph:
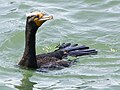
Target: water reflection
point(26, 83)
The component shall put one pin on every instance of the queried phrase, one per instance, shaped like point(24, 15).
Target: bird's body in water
point(52, 60)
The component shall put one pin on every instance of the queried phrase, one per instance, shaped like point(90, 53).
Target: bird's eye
point(37, 16)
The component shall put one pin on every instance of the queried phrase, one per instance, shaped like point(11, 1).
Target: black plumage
point(52, 60)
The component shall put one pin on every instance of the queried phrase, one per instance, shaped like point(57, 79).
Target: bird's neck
point(29, 57)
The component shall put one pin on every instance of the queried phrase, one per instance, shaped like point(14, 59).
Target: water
point(94, 23)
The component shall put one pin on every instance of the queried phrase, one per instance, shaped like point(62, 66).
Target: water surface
point(94, 23)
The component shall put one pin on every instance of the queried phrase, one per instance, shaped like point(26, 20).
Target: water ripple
point(87, 22)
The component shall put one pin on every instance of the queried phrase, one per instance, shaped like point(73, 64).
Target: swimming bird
point(51, 60)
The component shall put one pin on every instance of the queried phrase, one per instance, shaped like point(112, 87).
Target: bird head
point(37, 18)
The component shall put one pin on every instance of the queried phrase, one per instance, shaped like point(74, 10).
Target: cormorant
point(50, 60)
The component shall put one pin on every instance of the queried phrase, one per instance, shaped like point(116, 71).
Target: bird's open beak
point(39, 17)
point(45, 17)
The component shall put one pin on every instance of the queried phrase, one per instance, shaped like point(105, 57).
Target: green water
point(94, 23)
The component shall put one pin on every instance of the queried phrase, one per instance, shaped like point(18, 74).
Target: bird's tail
point(75, 50)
